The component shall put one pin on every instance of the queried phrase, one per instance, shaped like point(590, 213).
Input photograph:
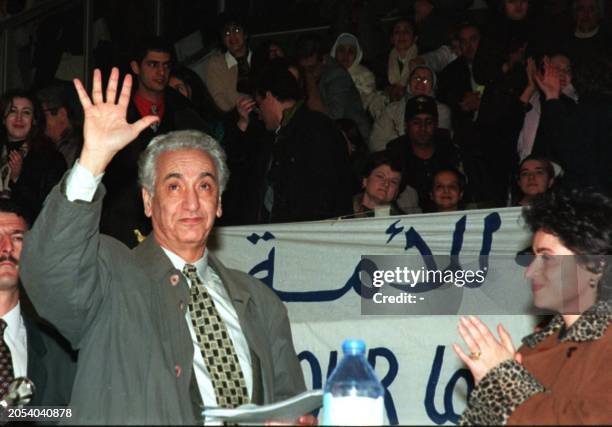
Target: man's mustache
point(9, 258)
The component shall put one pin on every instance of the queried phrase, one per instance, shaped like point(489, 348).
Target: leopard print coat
point(509, 384)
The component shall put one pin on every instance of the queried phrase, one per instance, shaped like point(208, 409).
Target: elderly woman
point(561, 375)
point(390, 124)
point(347, 51)
point(381, 181)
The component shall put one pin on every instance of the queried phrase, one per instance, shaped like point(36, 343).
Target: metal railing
point(43, 9)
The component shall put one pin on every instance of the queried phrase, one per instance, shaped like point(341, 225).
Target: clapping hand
point(486, 351)
point(549, 80)
point(106, 130)
point(15, 162)
point(244, 106)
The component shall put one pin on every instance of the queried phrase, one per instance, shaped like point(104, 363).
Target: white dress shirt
point(82, 185)
point(16, 338)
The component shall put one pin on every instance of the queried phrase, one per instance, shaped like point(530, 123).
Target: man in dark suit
point(122, 216)
point(163, 329)
point(458, 89)
point(27, 348)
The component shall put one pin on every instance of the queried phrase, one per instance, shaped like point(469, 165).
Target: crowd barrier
point(315, 268)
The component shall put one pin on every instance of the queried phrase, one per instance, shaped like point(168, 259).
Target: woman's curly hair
point(582, 220)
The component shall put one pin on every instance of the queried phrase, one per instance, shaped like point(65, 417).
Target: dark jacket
point(51, 365)
point(453, 82)
point(418, 173)
point(42, 168)
point(310, 173)
point(578, 136)
point(123, 209)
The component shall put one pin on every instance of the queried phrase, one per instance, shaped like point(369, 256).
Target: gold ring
point(475, 355)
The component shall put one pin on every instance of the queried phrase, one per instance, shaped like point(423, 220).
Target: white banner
point(314, 267)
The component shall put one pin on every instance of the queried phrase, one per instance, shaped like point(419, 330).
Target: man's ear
point(147, 200)
point(135, 67)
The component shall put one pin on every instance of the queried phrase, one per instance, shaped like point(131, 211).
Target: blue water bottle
point(353, 394)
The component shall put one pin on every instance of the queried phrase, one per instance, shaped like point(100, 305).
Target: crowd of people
point(512, 110)
point(478, 102)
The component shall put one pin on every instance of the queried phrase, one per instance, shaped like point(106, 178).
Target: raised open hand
point(106, 130)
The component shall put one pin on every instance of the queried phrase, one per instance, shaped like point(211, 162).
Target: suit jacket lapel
point(152, 259)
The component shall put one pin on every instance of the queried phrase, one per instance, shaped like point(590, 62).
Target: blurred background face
point(153, 71)
point(345, 55)
point(57, 121)
point(382, 185)
point(421, 128)
point(446, 192)
point(516, 10)
point(564, 67)
point(18, 119)
point(275, 51)
point(421, 82)
point(533, 178)
point(469, 40)
point(180, 86)
point(558, 282)
point(587, 16)
point(234, 40)
point(422, 9)
point(402, 36)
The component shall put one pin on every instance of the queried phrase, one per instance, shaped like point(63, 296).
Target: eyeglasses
point(420, 79)
point(233, 29)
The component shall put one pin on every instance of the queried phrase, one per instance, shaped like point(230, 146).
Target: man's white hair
point(181, 140)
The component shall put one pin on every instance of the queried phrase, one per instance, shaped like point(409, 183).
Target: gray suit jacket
point(125, 311)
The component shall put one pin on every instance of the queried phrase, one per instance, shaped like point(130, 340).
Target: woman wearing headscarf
point(390, 124)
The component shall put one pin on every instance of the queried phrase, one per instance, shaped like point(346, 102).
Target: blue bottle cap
point(353, 346)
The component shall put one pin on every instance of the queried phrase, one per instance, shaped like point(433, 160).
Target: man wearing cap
point(422, 148)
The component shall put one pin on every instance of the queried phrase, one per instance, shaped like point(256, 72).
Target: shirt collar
point(230, 61)
point(589, 327)
point(13, 320)
point(179, 263)
point(580, 35)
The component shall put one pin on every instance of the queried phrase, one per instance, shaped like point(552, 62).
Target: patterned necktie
point(243, 83)
point(216, 345)
point(6, 362)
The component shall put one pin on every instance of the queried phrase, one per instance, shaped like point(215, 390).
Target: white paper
point(287, 410)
